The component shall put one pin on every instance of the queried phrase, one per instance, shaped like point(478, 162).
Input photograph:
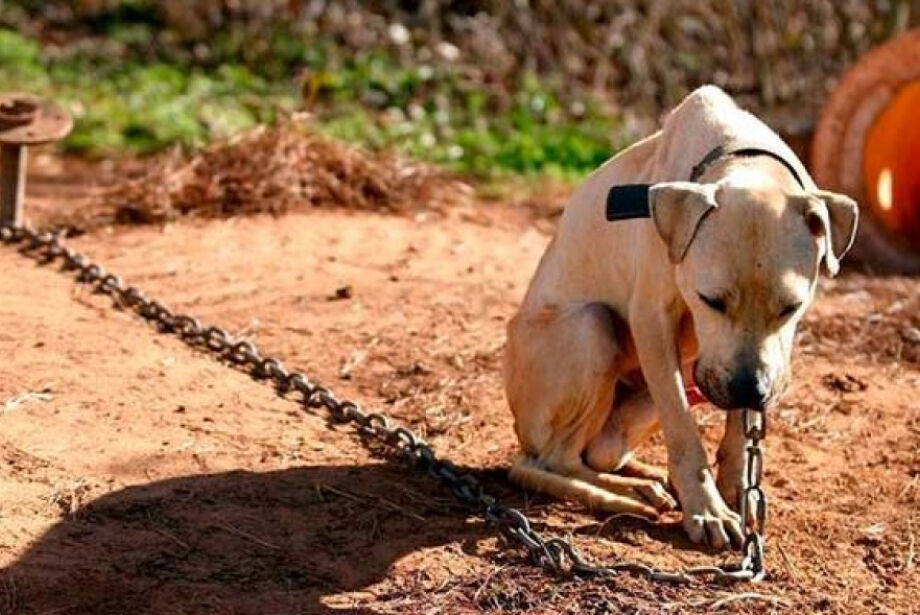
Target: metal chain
point(554, 554)
point(753, 498)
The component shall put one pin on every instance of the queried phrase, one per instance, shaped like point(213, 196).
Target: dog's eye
point(713, 302)
point(789, 310)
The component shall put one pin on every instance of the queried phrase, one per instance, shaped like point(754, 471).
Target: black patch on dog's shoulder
point(627, 202)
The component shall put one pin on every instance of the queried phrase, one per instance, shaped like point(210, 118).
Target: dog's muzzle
point(746, 387)
point(749, 388)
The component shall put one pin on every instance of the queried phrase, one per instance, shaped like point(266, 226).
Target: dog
point(625, 313)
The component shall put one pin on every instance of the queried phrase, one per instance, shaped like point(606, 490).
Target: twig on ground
point(788, 565)
point(358, 496)
point(15, 401)
point(718, 604)
point(486, 580)
point(429, 502)
point(911, 484)
point(169, 536)
point(247, 535)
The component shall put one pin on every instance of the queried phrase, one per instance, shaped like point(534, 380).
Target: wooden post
point(25, 120)
point(12, 183)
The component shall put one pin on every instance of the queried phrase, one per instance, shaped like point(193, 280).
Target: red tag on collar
point(695, 396)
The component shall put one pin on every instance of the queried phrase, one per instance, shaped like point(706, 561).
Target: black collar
point(630, 201)
point(720, 151)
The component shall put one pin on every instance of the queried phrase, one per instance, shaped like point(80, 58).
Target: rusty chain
point(554, 554)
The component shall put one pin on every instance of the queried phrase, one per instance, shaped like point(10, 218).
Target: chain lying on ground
point(554, 554)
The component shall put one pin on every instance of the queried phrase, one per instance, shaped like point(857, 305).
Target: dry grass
point(276, 169)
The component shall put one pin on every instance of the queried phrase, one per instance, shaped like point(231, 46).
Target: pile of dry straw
point(278, 169)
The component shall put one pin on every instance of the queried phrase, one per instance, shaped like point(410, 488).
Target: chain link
point(554, 554)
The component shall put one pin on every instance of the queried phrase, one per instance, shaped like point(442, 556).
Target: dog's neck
point(753, 170)
point(701, 129)
point(630, 201)
point(753, 150)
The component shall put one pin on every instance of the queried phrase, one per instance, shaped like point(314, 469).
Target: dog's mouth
point(701, 390)
point(695, 396)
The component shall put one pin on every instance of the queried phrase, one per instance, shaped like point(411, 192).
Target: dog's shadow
point(287, 541)
point(238, 542)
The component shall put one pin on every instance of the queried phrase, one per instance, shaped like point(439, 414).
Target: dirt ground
point(139, 476)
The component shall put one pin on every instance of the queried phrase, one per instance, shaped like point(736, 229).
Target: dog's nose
point(749, 388)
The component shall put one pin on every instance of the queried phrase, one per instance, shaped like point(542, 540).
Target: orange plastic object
point(891, 164)
point(867, 145)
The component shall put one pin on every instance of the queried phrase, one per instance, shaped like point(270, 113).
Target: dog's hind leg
point(631, 421)
point(652, 491)
point(561, 365)
point(532, 474)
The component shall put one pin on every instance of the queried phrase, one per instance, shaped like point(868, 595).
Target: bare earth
point(139, 476)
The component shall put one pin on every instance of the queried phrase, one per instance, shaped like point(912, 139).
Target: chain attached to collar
point(554, 554)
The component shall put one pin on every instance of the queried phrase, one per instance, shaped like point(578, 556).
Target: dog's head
point(747, 260)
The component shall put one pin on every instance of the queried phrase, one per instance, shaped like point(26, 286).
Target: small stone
point(399, 34)
point(343, 292)
point(448, 51)
point(911, 334)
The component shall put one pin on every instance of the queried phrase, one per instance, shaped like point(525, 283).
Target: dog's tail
point(530, 474)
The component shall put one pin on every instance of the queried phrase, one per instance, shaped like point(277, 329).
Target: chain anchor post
point(25, 120)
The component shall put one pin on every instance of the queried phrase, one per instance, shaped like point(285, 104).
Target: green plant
point(134, 87)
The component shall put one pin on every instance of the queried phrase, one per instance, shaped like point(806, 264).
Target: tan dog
point(712, 285)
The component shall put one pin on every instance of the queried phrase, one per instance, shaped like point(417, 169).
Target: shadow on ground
point(239, 542)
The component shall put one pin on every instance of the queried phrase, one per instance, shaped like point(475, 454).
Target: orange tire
point(867, 145)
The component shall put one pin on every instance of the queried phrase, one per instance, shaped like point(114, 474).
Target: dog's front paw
point(707, 518)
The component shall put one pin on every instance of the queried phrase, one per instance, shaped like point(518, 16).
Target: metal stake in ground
point(25, 120)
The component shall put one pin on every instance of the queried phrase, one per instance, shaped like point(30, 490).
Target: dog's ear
point(677, 209)
point(835, 222)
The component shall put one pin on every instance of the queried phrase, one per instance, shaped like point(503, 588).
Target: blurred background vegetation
point(486, 87)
